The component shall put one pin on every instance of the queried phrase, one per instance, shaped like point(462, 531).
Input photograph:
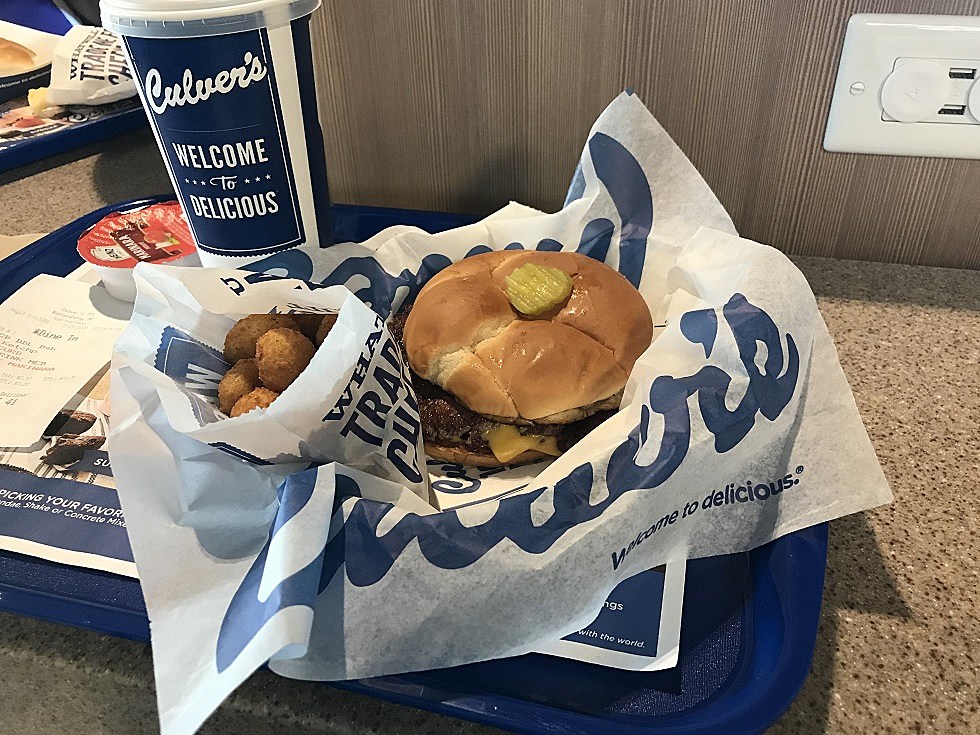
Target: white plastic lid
point(183, 18)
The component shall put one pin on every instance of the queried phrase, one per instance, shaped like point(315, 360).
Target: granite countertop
point(899, 641)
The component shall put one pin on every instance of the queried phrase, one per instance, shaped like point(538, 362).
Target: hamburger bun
point(15, 59)
point(464, 336)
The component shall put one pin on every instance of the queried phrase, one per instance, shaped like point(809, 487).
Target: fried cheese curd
point(241, 338)
point(243, 378)
point(309, 324)
point(282, 354)
point(258, 398)
point(268, 352)
point(324, 329)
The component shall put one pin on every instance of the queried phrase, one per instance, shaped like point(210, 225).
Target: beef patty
point(448, 423)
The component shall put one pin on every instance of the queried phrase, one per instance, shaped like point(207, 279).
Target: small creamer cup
point(228, 88)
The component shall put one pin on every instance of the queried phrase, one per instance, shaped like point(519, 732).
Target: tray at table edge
point(786, 579)
point(50, 19)
point(71, 137)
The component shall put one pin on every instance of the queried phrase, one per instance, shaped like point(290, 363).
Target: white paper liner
point(737, 427)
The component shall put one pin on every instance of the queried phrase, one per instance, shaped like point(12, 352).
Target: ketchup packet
point(114, 245)
point(154, 234)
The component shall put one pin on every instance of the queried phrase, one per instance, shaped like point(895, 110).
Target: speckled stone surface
point(49, 194)
point(898, 649)
point(899, 643)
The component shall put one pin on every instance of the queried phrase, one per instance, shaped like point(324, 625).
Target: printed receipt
point(55, 334)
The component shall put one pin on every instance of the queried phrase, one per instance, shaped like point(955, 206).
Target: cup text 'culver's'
point(190, 91)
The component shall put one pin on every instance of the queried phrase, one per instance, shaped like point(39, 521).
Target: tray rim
point(71, 138)
point(769, 679)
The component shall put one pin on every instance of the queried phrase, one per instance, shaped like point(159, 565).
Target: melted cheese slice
point(506, 443)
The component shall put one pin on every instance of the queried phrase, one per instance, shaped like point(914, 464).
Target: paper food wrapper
point(737, 427)
point(88, 68)
point(25, 58)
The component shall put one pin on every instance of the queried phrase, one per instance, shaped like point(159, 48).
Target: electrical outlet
point(908, 85)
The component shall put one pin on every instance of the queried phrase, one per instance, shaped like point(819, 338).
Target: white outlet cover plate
point(872, 45)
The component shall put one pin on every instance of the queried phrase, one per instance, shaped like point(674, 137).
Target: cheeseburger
point(517, 355)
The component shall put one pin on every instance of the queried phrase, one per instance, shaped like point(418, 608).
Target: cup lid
point(158, 233)
point(166, 18)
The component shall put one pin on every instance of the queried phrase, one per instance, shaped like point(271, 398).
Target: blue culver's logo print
point(367, 556)
point(615, 167)
point(195, 367)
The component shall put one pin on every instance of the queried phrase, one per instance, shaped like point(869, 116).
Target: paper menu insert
point(55, 334)
point(638, 627)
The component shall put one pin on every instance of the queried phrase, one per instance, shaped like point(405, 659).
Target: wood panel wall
point(462, 105)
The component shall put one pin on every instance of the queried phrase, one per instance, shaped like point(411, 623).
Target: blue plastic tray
point(72, 137)
point(45, 16)
point(749, 625)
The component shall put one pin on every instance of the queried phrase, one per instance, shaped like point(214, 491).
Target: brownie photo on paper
point(70, 448)
point(69, 422)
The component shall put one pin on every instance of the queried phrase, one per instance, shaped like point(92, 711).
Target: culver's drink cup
point(228, 87)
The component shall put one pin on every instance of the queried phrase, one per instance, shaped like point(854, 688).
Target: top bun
point(14, 58)
point(464, 335)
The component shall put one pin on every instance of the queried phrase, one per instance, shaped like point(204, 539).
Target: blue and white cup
point(228, 88)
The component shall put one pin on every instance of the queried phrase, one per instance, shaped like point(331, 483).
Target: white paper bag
point(88, 68)
point(352, 404)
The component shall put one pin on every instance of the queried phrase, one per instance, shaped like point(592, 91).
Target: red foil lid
point(155, 234)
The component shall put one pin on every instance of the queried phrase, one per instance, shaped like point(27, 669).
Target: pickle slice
point(534, 289)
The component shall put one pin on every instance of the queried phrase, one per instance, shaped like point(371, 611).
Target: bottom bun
point(475, 459)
